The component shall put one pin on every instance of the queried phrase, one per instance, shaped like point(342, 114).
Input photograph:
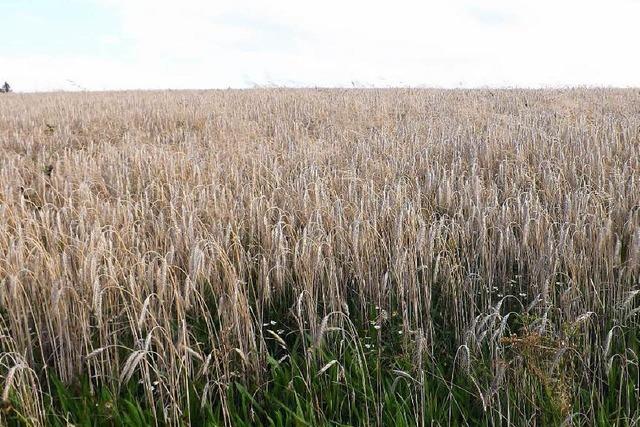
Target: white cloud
point(200, 43)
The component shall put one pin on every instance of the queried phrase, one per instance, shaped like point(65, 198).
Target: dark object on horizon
point(5, 88)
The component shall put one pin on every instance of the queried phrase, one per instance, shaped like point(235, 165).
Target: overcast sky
point(127, 44)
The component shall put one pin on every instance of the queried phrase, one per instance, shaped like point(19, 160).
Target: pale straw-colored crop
point(228, 208)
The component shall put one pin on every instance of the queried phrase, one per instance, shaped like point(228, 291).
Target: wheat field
point(320, 257)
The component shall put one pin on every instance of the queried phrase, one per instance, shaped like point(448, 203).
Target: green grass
point(365, 377)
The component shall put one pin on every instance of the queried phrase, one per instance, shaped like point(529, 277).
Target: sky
point(50, 45)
